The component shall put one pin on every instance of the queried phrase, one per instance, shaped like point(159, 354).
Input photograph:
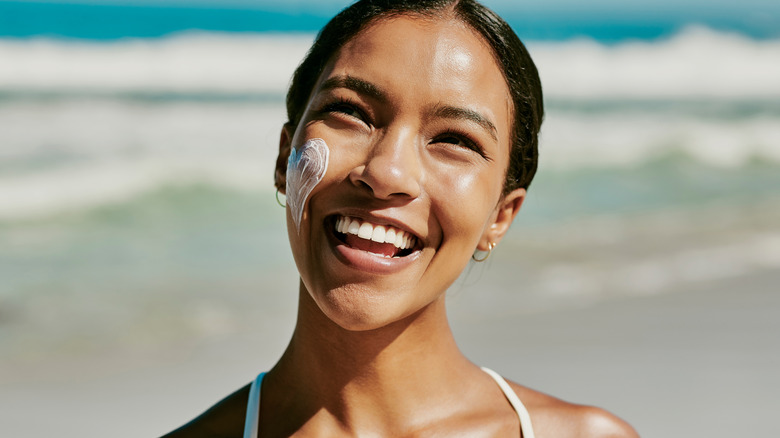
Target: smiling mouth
point(382, 240)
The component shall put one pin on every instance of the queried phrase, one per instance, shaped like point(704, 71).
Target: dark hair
point(513, 58)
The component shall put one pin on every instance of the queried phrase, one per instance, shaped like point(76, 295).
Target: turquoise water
point(606, 21)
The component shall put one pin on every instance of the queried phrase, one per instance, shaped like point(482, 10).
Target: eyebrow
point(355, 84)
point(444, 111)
point(453, 112)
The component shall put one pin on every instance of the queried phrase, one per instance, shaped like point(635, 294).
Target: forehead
point(430, 59)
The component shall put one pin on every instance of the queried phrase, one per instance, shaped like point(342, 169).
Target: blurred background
point(144, 267)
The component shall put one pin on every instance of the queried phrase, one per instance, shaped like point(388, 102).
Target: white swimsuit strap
point(253, 408)
point(522, 413)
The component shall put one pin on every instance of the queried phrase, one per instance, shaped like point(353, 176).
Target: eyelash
point(466, 139)
point(339, 105)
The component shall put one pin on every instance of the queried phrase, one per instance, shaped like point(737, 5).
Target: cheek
point(462, 188)
point(464, 182)
point(305, 169)
point(464, 201)
point(469, 186)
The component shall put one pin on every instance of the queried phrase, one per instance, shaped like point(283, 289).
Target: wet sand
point(695, 362)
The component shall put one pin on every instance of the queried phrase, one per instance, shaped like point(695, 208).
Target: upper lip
point(378, 219)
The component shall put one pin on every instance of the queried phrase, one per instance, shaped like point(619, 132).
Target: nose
point(392, 169)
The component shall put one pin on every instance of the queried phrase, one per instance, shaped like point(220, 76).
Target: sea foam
point(697, 62)
point(189, 62)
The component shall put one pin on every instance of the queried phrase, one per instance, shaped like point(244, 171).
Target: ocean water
point(137, 205)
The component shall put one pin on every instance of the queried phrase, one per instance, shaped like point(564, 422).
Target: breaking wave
point(92, 122)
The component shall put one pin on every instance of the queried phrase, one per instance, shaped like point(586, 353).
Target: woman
point(411, 141)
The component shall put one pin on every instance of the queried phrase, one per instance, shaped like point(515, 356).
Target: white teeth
point(365, 231)
point(399, 240)
point(390, 236)
point(379, 234)
point(376, 233)
point(354, 227)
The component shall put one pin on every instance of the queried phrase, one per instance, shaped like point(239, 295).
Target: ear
point(502, 218)
point(285, 145)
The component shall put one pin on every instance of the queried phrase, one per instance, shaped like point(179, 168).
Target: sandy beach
point(699, 362)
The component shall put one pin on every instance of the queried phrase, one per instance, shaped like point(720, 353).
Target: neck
point(367, 379)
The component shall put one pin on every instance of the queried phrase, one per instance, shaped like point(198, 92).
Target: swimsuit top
point(253, 406)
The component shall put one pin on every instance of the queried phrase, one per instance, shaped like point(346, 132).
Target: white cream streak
point(305, 169)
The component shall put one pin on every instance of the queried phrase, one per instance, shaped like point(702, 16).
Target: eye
point(462, 141)
point(345, 108)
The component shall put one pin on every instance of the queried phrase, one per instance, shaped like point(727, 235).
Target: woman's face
point(417, 116)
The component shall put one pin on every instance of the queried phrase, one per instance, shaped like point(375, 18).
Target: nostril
point(364, 185)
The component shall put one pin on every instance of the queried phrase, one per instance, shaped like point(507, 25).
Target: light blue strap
point(253, 408)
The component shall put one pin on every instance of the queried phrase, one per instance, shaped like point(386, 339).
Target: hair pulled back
point(511, 55)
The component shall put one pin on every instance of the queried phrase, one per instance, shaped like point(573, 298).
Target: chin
point(360, 324)
point(359, 311)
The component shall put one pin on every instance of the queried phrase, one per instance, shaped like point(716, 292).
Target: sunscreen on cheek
point(305, 169)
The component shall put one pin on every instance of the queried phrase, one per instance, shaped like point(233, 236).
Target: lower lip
point(366, 261)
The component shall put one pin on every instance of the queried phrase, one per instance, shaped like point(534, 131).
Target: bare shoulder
point(224, 420)
point(553, 417)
